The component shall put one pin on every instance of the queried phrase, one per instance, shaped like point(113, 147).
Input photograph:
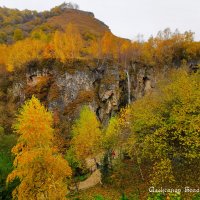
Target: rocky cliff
point(104, 86)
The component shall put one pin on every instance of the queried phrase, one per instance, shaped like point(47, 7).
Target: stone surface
point(102, 88)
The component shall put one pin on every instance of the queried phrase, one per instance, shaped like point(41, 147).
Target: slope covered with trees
point(166, 49)
point(16, 25)
point(92, 102)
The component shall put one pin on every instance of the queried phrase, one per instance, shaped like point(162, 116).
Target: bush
point(1, 131)
point(99, 197)
point(156, 196)
point(123, 197)
point(196, 196)
point(175, 196)
point(6, 159)
point(161, 196)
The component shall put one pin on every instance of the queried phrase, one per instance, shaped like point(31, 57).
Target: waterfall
point(129, 87)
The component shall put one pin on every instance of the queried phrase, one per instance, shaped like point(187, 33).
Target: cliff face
point(105, 87)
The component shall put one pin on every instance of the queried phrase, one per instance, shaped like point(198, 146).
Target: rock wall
point(103, 87)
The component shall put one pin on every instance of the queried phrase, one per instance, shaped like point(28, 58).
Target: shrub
point(99, 197)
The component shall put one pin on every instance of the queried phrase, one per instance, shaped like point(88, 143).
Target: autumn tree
point(117, 131)
point(117, 135)
point(4, 50)
point(41, 170)
point(40, 35)
point(30, 50)
point(95, 48)
point(165, 126)
point(166, 49)
point(109, 45)
point(68, 44)
point(87, 136)
point(59, 46)
point(148, 52)
point(136, 51)
point(124, 52)
point(73, 41)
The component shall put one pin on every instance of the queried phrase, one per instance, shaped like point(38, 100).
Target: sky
point(128, 18)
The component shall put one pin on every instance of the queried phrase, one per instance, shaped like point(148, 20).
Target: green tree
point(1, 131)
point(40, 35)
point(18, 35)
point(3, 37)
point(7, 141)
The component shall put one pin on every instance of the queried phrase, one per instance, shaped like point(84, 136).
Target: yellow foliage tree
point(3, 56)
point(109, 45)
point(41, 170)
point(87, 135)
point(165, 126)
point(95, 48)
point(118, 130)
point(124, 52)
point(23, 52)
point(68, 45)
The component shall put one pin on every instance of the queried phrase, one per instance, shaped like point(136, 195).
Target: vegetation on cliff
point(153, 141)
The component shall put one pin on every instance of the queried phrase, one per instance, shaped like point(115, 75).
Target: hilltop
point(21, 24)
point(84, 21)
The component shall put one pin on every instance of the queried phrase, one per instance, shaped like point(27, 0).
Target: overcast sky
point(127, 18)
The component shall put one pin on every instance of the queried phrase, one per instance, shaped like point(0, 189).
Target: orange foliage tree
point(23, 52)
point(68, 45)
point(95, 48)
point(41, 170)
point(3, 57)
point(166, 49)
